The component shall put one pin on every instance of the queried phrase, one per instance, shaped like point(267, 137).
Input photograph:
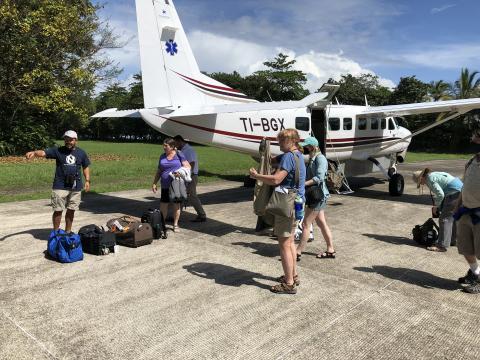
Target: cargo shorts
point(65, 199)
point(468, 237)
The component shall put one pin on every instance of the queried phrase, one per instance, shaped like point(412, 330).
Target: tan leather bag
point(281, 204)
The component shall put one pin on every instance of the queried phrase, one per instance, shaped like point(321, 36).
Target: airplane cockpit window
point(347, 123)
point(362, 124)
point(391, 124)
point(384, 124)
point(302, 123)
point(334, 124)
point(374, 124)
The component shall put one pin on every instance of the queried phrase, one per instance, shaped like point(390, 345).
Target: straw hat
point(417, 176)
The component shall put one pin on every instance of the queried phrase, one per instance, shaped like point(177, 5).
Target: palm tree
point(467, 86)
point(439, 90)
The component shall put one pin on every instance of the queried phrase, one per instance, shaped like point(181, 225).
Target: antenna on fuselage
point(336, 99)
point(366, 101)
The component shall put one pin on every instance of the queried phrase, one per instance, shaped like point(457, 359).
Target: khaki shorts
point(468, 237)
point(283, 226)
point(65, 199)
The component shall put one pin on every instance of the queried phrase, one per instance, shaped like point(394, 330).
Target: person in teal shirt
point(446, 190)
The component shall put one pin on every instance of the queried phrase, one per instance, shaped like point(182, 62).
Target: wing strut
point(450, 116)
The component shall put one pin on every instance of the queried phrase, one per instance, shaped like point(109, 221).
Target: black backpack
point(426, 234)
point(96, 241)
point(155, 218)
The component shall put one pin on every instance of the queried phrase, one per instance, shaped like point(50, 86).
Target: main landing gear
point(396, 183)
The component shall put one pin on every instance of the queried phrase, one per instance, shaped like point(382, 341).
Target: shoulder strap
point(297, 169)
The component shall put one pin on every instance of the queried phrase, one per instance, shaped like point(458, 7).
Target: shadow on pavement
point(227, 275)
point(396, 240)
point(39, 234)
point(412, 276)
point(262, 249)
point(359, 183)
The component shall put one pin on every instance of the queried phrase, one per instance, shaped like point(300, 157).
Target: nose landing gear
point(396, 183)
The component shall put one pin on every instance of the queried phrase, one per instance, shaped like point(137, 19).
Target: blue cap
point(309, 141)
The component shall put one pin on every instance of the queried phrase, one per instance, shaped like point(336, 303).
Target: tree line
point(52, 62)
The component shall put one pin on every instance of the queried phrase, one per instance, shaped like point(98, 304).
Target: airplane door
point(319, 128)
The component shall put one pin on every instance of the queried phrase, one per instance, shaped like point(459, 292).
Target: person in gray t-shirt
point(191, 157)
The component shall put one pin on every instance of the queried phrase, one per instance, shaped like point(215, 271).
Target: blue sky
point(430, 39)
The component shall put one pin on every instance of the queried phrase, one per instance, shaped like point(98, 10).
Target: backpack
point(155, 218)
point(65, 247)
point(426, 234)
point(96, 241)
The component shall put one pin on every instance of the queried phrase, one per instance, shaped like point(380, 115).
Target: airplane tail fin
point(170, 74)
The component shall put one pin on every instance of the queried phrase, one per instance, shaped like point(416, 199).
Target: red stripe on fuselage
point(209, 85)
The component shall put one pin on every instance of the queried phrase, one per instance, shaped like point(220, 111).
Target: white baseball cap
point(71, 134)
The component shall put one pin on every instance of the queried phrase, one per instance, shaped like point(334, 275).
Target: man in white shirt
point(191, 157)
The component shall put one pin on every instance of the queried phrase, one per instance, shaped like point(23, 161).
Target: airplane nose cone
point(404, 133)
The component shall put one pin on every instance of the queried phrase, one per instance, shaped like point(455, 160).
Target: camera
point(70, 180)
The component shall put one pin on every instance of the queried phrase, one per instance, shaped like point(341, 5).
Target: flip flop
point(327, 255)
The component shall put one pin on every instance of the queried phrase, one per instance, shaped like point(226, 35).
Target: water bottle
point(299, 212)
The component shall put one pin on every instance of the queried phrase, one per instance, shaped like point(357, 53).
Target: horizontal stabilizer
point(114, 113)
point(458, 106)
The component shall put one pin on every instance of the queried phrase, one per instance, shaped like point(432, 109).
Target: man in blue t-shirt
point(67, 184)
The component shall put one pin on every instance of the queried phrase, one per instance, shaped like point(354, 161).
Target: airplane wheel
point(396, 185)
point(249, 182)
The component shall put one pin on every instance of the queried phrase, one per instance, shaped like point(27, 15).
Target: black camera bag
point(426, 234)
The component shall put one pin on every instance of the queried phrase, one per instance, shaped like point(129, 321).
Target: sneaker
point(474, 288)
point(283, 288)
point(199, 219)
point(469, 279)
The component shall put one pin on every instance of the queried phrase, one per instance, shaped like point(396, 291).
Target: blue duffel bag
point(66, 248)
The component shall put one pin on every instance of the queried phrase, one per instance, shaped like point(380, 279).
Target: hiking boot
point(283, 288)
point(474, 288)
point(468, 279)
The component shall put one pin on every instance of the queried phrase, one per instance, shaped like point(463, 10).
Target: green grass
point(422, 156)
point(115, 167)
point(127, 166)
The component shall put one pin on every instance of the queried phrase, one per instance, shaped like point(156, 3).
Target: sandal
point(327, 255)
point(436, 248)
point(299, 257)
point(296, 281)
point(176, 229)
point(283, 288)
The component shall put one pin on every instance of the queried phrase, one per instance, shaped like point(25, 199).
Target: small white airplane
point(179, 99)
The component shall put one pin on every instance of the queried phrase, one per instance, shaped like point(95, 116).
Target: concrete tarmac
point(203, 292)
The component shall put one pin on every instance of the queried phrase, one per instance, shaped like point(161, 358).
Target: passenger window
point(391, 124)
point(302, 123)
point(374, 124)
point(384, 124)
point(334, 124)
point(347, 123)
point(362, 124)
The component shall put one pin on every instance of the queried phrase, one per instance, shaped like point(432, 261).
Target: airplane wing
point(449, 106)
point(114, 113)
point(315, 100)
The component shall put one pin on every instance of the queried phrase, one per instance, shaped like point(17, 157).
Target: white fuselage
point(340, 130)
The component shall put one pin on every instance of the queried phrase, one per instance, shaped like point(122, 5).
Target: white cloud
point(448, 56)
point(442, 8)
point(218, 53)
